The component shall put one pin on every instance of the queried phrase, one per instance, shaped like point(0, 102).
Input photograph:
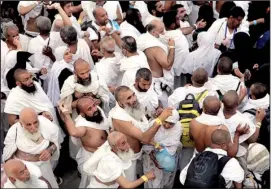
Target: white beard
point(135, 112)
point(33, 182)
point(126, 156)
point(32, 136)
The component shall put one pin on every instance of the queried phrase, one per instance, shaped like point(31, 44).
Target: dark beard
point(159, 14)
point(84, 82)
point(98, 118)
point(31, 89)
point(141, 90)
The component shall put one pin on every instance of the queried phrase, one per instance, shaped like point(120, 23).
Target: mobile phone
point(235, 65)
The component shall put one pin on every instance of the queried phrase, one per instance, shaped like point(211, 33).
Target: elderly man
point(128, 117)
point(145, 93)
point(77, 46)
point(28, 93)
point(108, 67)
point(30, 11)
point(34, 139)
point(160, 58)
point(109, 162)
point(23, 175)
point(84, 83)
point(88, 132)
point(134, 60)
point(14, 40)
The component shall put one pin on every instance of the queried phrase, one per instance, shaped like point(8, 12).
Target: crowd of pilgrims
point(153, 94)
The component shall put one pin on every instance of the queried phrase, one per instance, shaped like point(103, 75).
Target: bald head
point(156, 27)
point(80, 64)
point(119, 145)
point(220, 137)
point(27, 113)
point(230, 100)
point(114, 137)
point(19, 72)
point(199, 77)
point(100, 16)
point(13, 169)
point(84, 103)
point(211, 105)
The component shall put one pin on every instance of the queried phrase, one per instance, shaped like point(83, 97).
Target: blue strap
point(226, 34)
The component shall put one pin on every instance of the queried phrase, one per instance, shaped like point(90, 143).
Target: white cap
point(174, 118)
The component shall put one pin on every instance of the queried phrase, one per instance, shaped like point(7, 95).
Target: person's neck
point(196, 85)
point(108, 55)
point(228, 113)
point(131, 54)
point(45, 36)
point(73, 48)
point(229, 25)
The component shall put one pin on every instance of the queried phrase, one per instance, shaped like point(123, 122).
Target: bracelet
point(171, 47)
point(157, 145)
point(144, 178)
point(254, 22)
point(258, 125)
point(158, 121)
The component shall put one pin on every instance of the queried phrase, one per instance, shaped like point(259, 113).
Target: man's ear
point(18, 83)
point(153, 12)
point(12, 179)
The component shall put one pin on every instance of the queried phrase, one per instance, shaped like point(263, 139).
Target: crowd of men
point(156, 93)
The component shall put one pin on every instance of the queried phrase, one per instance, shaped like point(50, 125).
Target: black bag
point(221, 95)
point(205, 171)
point(264, 135)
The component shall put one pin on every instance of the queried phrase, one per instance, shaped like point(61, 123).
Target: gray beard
point(125, 156)
point(135, 112)
point(33, 182)
point(32, 136)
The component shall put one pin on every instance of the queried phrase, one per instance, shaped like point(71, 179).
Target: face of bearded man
point(84, 82)
point(136, 111)
point(32, 136)
point(97, 117)
point(29, 89)
point(32, 182)
point(125, 156)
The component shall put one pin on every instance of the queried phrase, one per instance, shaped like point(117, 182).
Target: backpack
point(188, 110)
point(264, 135)
point(221, 95)
point(205, 171)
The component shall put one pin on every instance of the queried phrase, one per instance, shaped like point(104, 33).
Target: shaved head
point(82, 71)
point(19, 72)
point(220, 137)
point(83, 103)
point(199, 77)
point(27, 113)
point(211, 105)
point(114, 137)
point(157, 23)
point(119, 91)
point(230, 100)
point(80, 63)
point(12, 166)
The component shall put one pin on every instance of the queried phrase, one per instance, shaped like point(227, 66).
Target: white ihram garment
point(127, 29)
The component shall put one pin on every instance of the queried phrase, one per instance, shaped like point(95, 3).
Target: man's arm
point(49, 185)
point(260, 115)
point(119, 16)
point(168, 5)
point(77, 132)
point(24, 10)
point(124, 183)
point(165, 61)
point(65, 19)
point(12, 119)
point(188, 30)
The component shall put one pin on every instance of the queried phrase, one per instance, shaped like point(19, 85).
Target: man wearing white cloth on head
point(22, 174)
point(88, 131)
point(169, 137)
point(225, 81)
point(84, 83)
point(146, 96)
point(108, 164)
point(129, 118)
point(160, 59)
point(34, 139)
point(233, 118)
point(134, 60)
point(205, 56)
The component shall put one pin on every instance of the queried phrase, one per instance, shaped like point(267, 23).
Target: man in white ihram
point(23, 175)
point(34, 139)
point(108, 164)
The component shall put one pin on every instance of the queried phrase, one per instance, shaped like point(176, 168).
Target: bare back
point(93, 139)
point(201, 134)
point(152, 54)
